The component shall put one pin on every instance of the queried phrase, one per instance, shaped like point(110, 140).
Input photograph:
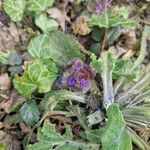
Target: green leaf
point(12, 119)
point(95, 48)
point(138, 140)
point(137, 113)
point(122, 11)
point(3, 57)
point(122, 68)
point(61, 96)
point(113, 35)
point(37, 6)
point(115, 136)
point(111, 21)
point(105, 65)
point(36, 76)
point(29, 112)
point(46, 24)
point(48, 138)
point(3, 146)
point(58, 46)
point(97, 33)
point(15, 9)
point(96, 63)
point(24, 85)
point(94, 135)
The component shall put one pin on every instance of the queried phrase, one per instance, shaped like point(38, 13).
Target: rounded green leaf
point(37, 6)
point(30, 112)
point(15, 9)
point(46, 24)
point(36, 76)
point(58, 46)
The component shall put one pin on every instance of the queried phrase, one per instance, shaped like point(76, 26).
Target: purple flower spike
point(84, 83)
point(72, 81)
point(99, 8)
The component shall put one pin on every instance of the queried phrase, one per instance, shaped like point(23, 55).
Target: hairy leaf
point(95, 48)
point(29, 112)
point(138, 113)
point(15, 9)
point(58, 46)
point(61, 96)
point(105, 65)
point(115, 136)
point(36, 76)
point(37, 6)
point(94, 135)
point(46, 24)
point(122, 11)
point(97, 33)
point(48, 138)
point(113, 34)
point(111, 20)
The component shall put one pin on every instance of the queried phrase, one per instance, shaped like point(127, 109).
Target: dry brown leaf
point(145, 134)
point(128, 39)
point(80, 26)
point(9, 36)
point(2, 125)
point(117, 50)
point(6, 105)
point(10, 141)
point(25, 128)
point(5, 82)
point(128, 54)
point(59, 15)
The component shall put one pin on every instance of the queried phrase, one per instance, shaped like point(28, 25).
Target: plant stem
point(106, 29)
point(104, 39)
point(107, 83)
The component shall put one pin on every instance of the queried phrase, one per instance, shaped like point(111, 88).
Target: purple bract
point(72, 81)
point(84, 83)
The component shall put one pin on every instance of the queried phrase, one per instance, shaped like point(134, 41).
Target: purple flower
point(72, 81)
point(78, 68)
point(84, 83)
point(100, 7)
point(77, 76)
